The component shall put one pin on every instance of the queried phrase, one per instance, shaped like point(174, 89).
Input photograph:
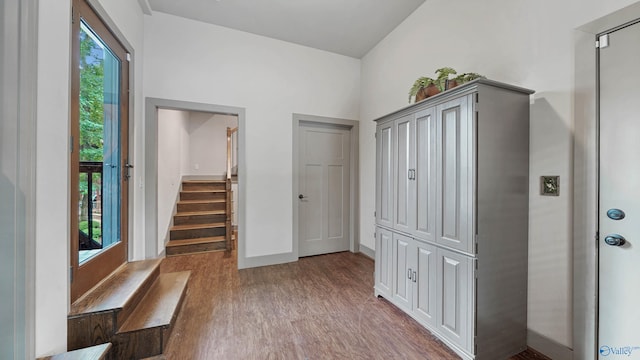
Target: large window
point(99, 156)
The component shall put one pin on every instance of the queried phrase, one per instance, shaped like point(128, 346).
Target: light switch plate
point(550, 185)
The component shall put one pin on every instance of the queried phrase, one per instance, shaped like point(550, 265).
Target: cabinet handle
point(409, 174)
point(414, 174)
point(415, 277)
point(409, 274)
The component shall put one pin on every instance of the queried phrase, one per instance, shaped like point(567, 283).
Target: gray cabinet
point(403, 174)
point(383, 272)
point(452, 216)
point(384, 174)
point(455, 303)
point(455, 169)
point(413, 275)
point(425, 135)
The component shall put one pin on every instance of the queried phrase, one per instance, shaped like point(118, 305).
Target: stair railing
point(232, 161)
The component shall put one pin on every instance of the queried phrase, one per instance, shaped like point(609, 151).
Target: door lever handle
point(615, 240)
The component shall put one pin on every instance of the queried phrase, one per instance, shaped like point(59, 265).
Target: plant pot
point(450, 84)
point(424, 93)
point(432, 90)
point(421, 95)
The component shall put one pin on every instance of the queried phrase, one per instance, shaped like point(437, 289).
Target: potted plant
point(443, 81)
point(466, 77)
point(422, 88)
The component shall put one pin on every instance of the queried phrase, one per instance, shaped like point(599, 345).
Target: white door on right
point(619, 193)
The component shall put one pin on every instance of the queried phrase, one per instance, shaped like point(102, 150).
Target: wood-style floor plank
point(321, 307)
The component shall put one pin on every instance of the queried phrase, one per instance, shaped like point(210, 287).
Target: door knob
point(300, 196)
point(615, 240)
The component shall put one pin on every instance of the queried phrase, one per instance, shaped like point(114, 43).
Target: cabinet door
point(456, 169)
point(384, 256)
point(424, 298)
point(384, 174)
point(455, 299)
point(402, 271)
point(425, 180)
point(404, 200)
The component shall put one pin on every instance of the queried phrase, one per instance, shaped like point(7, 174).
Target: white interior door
point(324, 153)
point(619, 192)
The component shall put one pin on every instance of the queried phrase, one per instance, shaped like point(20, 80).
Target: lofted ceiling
point(347, 27)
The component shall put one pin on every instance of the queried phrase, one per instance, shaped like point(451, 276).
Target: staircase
point(134, 309)
point(202, 222)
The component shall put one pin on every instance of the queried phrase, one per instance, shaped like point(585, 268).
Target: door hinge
point(375, 135)
point(597, 238)
point(70, 274)
point(71, 144)
point(375, 214)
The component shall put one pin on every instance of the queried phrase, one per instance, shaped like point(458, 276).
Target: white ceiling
point(347, 27)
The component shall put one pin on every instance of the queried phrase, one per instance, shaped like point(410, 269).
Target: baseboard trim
point(370, 253)
point(257, 261)
point(548, 347)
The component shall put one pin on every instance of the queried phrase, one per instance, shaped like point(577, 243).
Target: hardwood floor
point(320, 307)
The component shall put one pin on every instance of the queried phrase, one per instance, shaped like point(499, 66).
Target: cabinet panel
point(425, 180)
point(384, 253)
point(403, 158)
point(425, 294)
point(455, 169)
point(402, 272)
point(384, 174)
point(454, 315)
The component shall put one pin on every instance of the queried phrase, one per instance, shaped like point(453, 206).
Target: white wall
point(193, 61)
point(208, 143)
point(52, 164)
point(527, 43)
point(173, 151)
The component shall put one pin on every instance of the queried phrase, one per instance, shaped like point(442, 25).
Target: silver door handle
point(414, 277)
point(615, 240)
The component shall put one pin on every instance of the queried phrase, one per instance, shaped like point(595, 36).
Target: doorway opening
point(197, 181)
point(193, 150)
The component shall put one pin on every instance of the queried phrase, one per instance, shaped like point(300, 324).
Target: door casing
point(354, 215)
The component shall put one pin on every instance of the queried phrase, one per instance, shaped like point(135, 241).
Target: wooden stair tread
point(204, 212)
point(198, 226)
point(97, 352)
point(204, 181)
point(117, 290)
point(204, 240)
point(204, 191)
point(160, 305)
point(207, 201)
